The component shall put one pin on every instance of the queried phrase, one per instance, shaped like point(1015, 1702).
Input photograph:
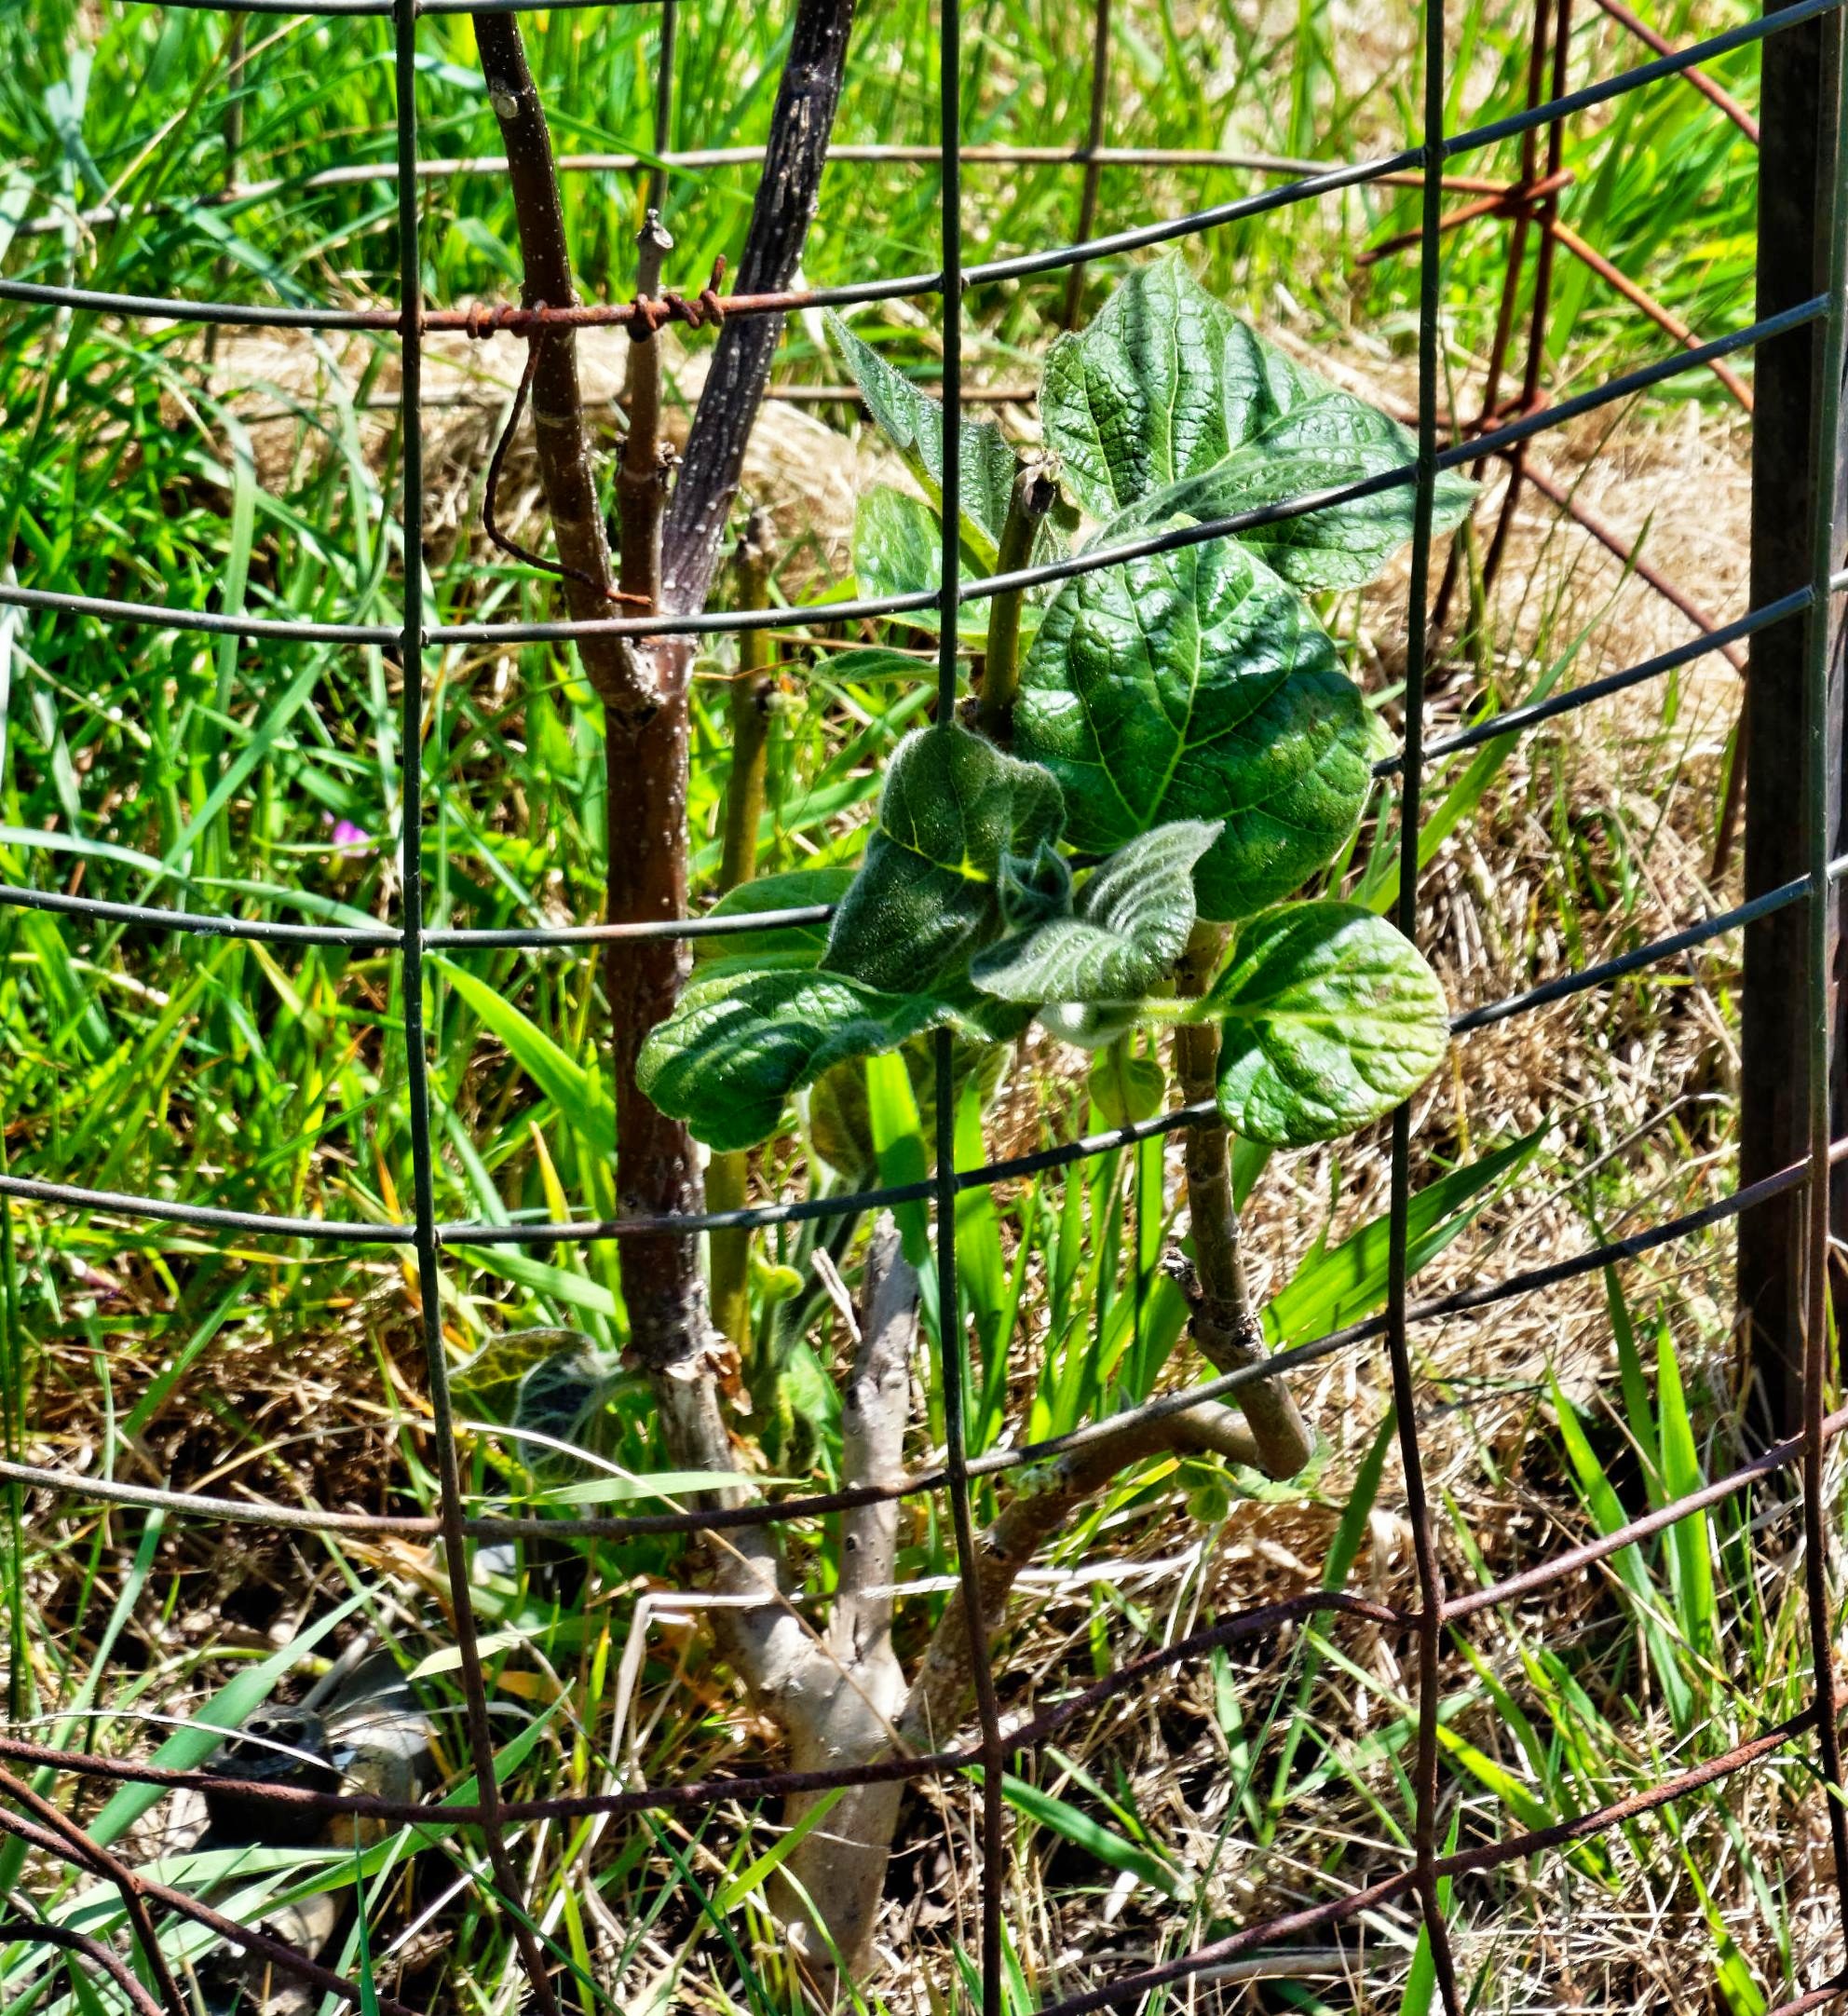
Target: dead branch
point(787, 193)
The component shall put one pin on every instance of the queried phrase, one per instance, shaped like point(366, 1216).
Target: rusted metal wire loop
point(714, 622)
point(1461, 1302)
point(590, 315)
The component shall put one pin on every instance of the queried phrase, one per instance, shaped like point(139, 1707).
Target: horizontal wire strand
point(1459, 1302)
point(1307, 189)
point(476, 1233)
point(1250, 1621)
point(540, 938)
point(727, 621)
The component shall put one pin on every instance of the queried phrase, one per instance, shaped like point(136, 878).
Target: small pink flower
point(347, 837)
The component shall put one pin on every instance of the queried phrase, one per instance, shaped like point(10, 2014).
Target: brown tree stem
point(641, 478)
point(644, 754)
point(567, 474)
point(1225, 1325)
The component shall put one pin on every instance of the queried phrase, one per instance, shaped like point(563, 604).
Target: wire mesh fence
point(1504, 429)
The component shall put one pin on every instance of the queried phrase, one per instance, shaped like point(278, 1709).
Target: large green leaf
point(913, 422)
point(929, 891)
point(739, 1043)
point(898, 550)
point(1168, 403)
point(775, 945)
point(1195, 685)
point(1128, 926)
point(1329, 1019)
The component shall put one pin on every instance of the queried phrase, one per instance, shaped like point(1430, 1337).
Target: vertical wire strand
point(1094, 138)
point(416, 1062)
point(1430, 1574)
point(950, 1324)
point(1816, 727)
point(657, 183)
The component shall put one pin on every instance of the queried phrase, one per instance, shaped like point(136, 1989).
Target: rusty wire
point(1530, 205)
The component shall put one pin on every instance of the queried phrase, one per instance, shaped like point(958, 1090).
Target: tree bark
point(839, 1867)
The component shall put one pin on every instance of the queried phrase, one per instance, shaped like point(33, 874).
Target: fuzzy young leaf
point(954, 807)
point(739, 1043)
point(1329, 1019)
point(1034, 891)
point(1168, 403)
point(913, 422)
point(1129, 925)
point(1194, 686)
point(1126, 1089)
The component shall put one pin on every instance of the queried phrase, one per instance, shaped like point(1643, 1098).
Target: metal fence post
point(1799, 149)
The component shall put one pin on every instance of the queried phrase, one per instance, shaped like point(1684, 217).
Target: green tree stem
point(750, 712)
point(1225, 1325)
point(1036, 489)
point(727, 1175)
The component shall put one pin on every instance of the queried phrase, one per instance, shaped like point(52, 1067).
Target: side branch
point(566, 473)
point(1225, 1325)
point(641, 481)
point(1044, 1502)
